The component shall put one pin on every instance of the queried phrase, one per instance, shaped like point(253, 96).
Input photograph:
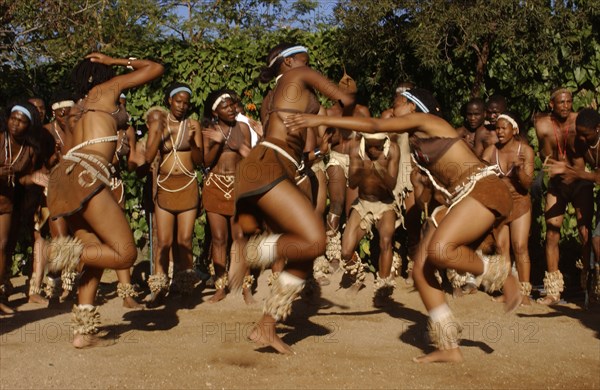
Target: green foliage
point(457, 49)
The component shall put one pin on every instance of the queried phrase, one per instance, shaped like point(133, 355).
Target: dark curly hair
point(87, 74)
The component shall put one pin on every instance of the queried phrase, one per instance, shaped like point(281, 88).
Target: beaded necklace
point(562, 152)
point(8, 158)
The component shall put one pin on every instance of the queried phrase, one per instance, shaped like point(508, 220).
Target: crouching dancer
point(374, 170)
point(79, 186)
point(478, 203)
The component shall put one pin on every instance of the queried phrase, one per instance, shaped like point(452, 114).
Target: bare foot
point(37, 298)
point(5, 309)
point(131, 303)
point(549, 300)
point(441, 356)
point(81, 341)
point(218, 296)
point(526, 301)
point(512, 293)
point(264, 334)
point(248, 298)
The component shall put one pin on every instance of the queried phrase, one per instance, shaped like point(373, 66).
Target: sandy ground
point(343, 342)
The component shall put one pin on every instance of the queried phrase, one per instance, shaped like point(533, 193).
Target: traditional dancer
point(474, 193)
point(226, 142)
point(341, 196)
point(514, 158)
point(178, 139)
point(19, 151)
point(266, 187)
point(374, 171)
point(557, 135)
point(79, 187)
point(587, 146)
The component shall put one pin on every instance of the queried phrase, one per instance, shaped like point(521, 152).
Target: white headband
point(23, 110)
point(362, 153)
point(288, 52)
point(219, 100)
point(63, 104)
point(122, 96)
point(509, 120)
point(180, 89)
point(415, 100)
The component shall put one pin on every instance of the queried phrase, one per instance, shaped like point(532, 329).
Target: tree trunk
point(482, 60)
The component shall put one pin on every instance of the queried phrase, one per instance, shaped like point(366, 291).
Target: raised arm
point(322, 84)
point(143, 72)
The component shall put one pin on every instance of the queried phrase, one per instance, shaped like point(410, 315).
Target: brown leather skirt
point(177, 193)
point(262, 170)
point(71, 185)
point(218, 194)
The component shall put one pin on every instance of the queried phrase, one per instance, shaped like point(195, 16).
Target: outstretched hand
point(302, 121)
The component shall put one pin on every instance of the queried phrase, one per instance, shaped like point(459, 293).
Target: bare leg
point(158, 282)
point(336, 186)
point(412, 221)
point(88, 285)
point(278, 307)
point(384, 282)
point(554, 214)
point(432, 296)
point(125, 290)
point(354, 275)
point(520, 235)
point(220, 236)
point(105, 245)
point(449, 245)
point(39, 263)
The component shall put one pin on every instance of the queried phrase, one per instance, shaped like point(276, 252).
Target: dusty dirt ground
point(344, 342)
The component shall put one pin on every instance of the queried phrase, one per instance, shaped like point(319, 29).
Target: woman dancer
point(514, 158)
point(79, 187)
point(19, 150)
point(178, 139)
point(226, 142)
point(266, 186)
point(474, 193)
